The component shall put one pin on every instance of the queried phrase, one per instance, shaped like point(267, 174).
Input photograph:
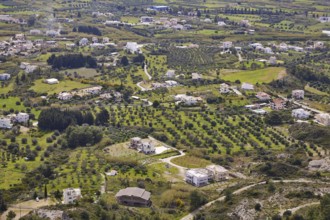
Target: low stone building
point(134, 196)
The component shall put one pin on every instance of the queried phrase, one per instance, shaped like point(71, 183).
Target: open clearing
point(66, 85)
point(256, 76)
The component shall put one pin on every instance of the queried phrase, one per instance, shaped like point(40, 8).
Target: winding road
point(149, 77)
point(146, 71)
point(182, 170)
point(191, 215)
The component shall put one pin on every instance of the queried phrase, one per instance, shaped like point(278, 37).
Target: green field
point(191, 162)
point(256, 76)
point(66, 85)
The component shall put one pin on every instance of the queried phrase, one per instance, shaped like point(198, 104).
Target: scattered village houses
point(105, 40)
point(262, 96)
point(91, 90)
point(4, 76)
point(323, 118)
point(324, 19)
point(217, 173)
point(247, 86)
point(197, 177)
point(224, 88)
point(196, 76)
point(147, 147)
point(135, 142)
point(71, 195)
point(259, 111)
point(35, 32)
point(221, 24)
point(278, 104)
point(318, 45)
point(134, 196)
point(51, 81)
point(227, 44)
point(95, 40)
point(272, 60)
point(298, 94)
point(300, 113)
point(65, 96)
point(187, 100)
point(5, 123)
point(22, 117)
point(170, 74)
point(133, 47)
point(146, 19)
point(83, 42)
point(245, 23)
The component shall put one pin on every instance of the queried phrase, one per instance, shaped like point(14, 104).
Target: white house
point(196, 76)
point(4, 76)
point(30, 68)
point(19, 36)
point(300, 113)
point(65, 96)
point(268, 50)
point(170, 73)
point(35, 32)
point(247, 86)
point(324, 19)
point(23, 65)
point(245, 23)
point(221, 24)
point(262, 96)
point(224, 88)
point(298, 94)
point(92, 90)
point(283, 47)
point(22, 117)
point(133, 47)
point(272, 60)
point(171, 83)
point(147, 147)
point(187, 100)
point(51, 81)
point(70, 46)
point(227, 44)
point(95, 40)
point(83, 42)
point(197, 177)
point(318, 45)
point(105, 40)
point(217, 173)
point(323, 118)
point(52, 33)
point(71, 195)
point(146, 19)
point(259, 111)
point(5, 123)
point(277, 104)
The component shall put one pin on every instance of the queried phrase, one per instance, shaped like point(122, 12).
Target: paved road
point(141, 87)
point(295, 209)
point(146, 71)
point(240, 59)
point(23, 208)
point(102, 187)
point(182, 170)
point(303, 106)
point(191, 215)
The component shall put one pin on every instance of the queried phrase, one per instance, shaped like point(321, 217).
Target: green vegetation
point(256, 76)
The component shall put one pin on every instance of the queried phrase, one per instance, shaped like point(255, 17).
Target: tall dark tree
point(45, 192)
point(102, 117)
point(124, 61)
